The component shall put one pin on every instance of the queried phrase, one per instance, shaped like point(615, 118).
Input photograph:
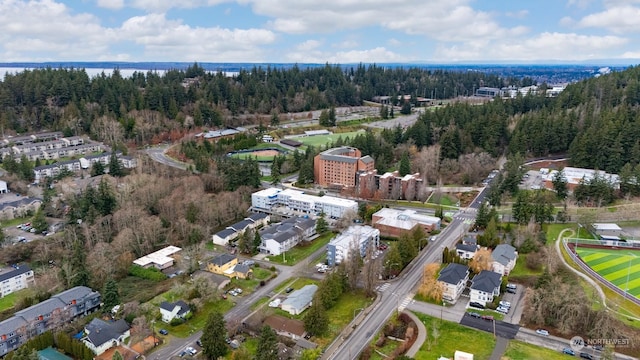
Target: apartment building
point(356, 236)
point(389, 185)
point(15, 278)
point(339, 167)
point(296, 200)
point(49, 314)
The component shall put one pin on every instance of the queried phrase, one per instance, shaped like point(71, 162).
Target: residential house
point(46, 315)
point(290, 328)
point(259, 219)
point(15, 278)
point(227, 265)
point(504, 258)
point(225, 236)
point(101, 335)
point(453, 279)
point(19, 208)
point(299, 300)
point(485, 286)
point(160, 259)
point(469, 240)
point(170, 311)
point(466, 251)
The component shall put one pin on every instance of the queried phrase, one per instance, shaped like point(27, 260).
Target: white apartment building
point(359, 236)
point(297, 200)
point(15, 278)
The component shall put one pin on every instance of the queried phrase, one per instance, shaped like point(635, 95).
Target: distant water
point(93, 72)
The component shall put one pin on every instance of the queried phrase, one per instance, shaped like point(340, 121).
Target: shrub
point(382, 340)
point(152, 274)
point(176, 321)
point(366, 353)
point(272, 268)
point(262, 282)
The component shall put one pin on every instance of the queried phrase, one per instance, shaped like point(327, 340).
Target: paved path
point(499, 349)
point(422, 335)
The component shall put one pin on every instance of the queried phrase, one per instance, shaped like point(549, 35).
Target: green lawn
point(10, 300)
point(454, 337)
point(521, 270)
point(518, 350)
point(248, 155)
point(617, 266)
point(443, 199)
point(200, 318)
point(321, 140)
point(341, 314)
point(297, 283)
point(302, 250)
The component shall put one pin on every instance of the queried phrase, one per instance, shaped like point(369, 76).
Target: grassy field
point(442, 199)
point(341, 314)
point(454, 337)
point(10, 300)
point(320, 140)
point(617, 266)
point(244, 156)
point(518, 350)
point(301, 251)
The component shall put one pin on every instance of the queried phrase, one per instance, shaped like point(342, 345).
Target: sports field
point(616, 266)
point(320, 140)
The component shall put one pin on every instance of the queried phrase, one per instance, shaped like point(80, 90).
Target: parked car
point(511, 291)
point(584, 355)
point(487, 317)
point(474, 314)
point(288, 290)
point(568, 352)
point(505, 304)
point(598, 347)
point(248, 262)
point(199, 342)
point(238, 291)
point(233, 293)
point(224, 296)
point(542, 332)
point(502, 309)
point(163, 332)
point(191, 350)
point(476, 305)
point(183, 353)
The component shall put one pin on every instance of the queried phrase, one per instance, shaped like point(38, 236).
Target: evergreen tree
point(321, 224)
point(324, 118)
point(115, 168)
point(560, 185)
point(405, 164)
point(97, 169)
point(406, 108)
point(267, 345)
point(257, 241)
point(482, 217)
point(213, 337)
point(117, 356)
point(110, 295)
point(316, 320)
point(275, 120)
point(408, 248)
point(332, 116)
point(39, 222)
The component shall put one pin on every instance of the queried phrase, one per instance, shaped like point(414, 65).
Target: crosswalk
point(382, 287)
point(407, 300)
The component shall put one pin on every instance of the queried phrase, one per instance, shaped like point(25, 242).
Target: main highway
point(402, 288)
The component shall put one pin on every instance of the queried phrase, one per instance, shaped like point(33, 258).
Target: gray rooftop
point(486, 281)
point(241, 268)
point(46, 307)
point(18, 270)
point(241, 225)
point(184, 307)
point(12, 324)
point(504, 253)
point(257, 216)
point(453, 273)
point(467, 247)
point(75, 293)
point(222, 259)
point(101, 332)
point(301, 298)
point(225, 233)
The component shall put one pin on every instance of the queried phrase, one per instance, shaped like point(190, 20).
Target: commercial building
point(296, 200)
point(394, 222)
point(51, 313)
point(359, 237)
point(574, 176)
point(160, 259)
point(15, 278)
point(339, 167)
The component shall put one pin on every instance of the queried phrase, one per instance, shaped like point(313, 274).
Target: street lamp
point(626, 292)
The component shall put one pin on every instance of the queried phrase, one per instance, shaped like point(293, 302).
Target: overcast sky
point(319, 31)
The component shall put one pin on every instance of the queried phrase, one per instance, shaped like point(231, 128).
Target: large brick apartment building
point(389, 185)
point(339, 167)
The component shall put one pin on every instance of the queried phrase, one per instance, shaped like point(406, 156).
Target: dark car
point(163, 332)
point(568, 352)
point(584, 355)
point(476, 305)
point(199, 342)
point(288, 290)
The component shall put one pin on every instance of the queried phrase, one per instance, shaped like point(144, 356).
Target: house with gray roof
point(283, 236)
point(15, 278)
point(485, 286)
point(170, 311)
point(103, 335)
point(503, 258)
point(299, 300)
point(466, 251)
point(223, 237)
point(453, 280)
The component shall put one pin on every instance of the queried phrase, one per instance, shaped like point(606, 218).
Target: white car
point(191, 350)
point(503, 310)
point(505, 304)
point(542, 332)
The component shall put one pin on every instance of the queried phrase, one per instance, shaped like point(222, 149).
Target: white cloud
point(394, 42)
point(111, 4)
point(308, 45)
point(517, 14)
point(542, 47)
point(444, 20)
point(171, 40)
point(46, 30)
point(347, 44)
point(164, 5)
point(618, 19)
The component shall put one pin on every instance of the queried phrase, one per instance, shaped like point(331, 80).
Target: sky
point(320, 31)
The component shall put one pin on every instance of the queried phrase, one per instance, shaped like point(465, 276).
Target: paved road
point(398, 294)
point(242, 309)
point(158, 153)
point(502, 329)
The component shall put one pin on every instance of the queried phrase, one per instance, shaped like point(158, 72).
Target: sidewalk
point(499, 349)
